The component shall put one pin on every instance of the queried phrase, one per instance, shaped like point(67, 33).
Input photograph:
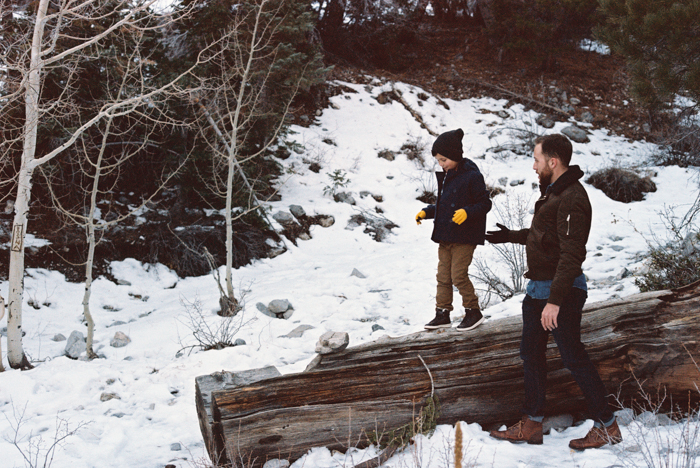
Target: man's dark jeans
point(573, 354)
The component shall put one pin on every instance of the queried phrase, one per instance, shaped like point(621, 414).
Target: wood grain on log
point(340, 398)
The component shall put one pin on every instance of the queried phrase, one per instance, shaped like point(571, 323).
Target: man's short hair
point(556, 146)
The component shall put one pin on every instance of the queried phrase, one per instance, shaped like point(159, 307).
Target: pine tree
point(661, 41)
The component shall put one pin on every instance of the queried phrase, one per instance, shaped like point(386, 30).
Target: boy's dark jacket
point(461, 188)
point(556, 240)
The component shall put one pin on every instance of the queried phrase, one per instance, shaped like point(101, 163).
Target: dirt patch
point(457, 62)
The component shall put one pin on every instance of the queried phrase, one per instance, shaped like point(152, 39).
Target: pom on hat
point(449, 144)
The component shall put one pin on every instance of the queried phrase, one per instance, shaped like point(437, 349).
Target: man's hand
point(498, 237)
point(460, 216)
point(549, 317)
point(420, 216)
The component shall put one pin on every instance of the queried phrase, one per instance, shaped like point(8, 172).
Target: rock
point(503, 181)
point(387, 154)
point(272, 253)
point(344, 197)
point(357, 273)
point(298, 332)
point(691, 243)
point(279, 306)
point(624, 273)
point(297, 211)
point(106, 396)
point(624, 416)
point(176, 447)
point(575, 101)
point(263, 308)
point(575, 133)
point(119, 340)
point(516, 182)
point(239, 342)
point(304, 236)
point(326, 221)
point(285, 218)
point(377, 327)
point(544, 121)
point(568, 108)
point(647, 418)
point(75, 345)
point(560, 422)
point(276, 463)
point(58, 337)
point(503, 114)
point(332, 342)
point(587, 117)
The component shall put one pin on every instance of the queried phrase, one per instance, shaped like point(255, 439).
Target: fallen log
point(358, 395)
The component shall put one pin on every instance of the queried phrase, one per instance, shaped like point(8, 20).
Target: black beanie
point(449, 144)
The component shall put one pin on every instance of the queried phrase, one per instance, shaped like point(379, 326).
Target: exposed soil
point(458, 62)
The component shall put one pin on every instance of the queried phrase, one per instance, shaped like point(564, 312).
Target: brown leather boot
point(526, 430)
point(597, 437)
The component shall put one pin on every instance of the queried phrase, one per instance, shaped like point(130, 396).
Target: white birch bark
point(15, 354)
point(42, 55)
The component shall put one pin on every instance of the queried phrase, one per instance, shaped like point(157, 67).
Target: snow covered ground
point(135, 407)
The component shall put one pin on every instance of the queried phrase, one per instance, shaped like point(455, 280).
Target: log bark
point(342, 399)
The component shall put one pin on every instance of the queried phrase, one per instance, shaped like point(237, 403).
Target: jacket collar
point(573, 174)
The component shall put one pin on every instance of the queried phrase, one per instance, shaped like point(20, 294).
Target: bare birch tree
point(52, 46)
point(231, 104)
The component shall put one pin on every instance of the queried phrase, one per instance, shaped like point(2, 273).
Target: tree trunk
point(342, 398)
point(2, 314)
point(15, 353)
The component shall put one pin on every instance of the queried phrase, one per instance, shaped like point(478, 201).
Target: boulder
point(297, 211)
point(332, 342)
point(285, 218)
point(575, 134)
point(119, 340)
point(75, 345)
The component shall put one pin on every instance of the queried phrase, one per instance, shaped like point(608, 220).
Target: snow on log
point(343, 399)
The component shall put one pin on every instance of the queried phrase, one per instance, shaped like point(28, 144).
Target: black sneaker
point(441, 320)
point(472, 319)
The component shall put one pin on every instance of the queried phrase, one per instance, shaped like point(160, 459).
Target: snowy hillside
point(135, 407)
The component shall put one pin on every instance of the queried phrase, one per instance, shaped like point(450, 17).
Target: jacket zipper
point(568, 224)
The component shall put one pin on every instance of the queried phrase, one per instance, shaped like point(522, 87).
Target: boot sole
point(581, 449)
point(436, 327)
point(518, 441)
point(473, 326)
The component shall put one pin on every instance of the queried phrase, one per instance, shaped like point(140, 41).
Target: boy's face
point(445, 163)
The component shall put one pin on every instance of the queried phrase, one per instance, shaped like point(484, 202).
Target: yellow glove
point(420, 216)
point(460, 216)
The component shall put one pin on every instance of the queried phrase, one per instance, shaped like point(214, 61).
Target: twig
point(432, 383)
point(415, 114)
point(519, 96)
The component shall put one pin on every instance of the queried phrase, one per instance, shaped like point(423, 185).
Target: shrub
point(674, 263)
point(622, 185)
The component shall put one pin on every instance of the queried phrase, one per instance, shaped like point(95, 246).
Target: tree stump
point(349, 398)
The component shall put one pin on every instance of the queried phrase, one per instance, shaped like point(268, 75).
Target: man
point(556, 248)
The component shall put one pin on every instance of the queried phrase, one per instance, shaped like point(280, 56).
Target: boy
point(460, 225)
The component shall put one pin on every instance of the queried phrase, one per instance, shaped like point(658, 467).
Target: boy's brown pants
point(453, 268)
